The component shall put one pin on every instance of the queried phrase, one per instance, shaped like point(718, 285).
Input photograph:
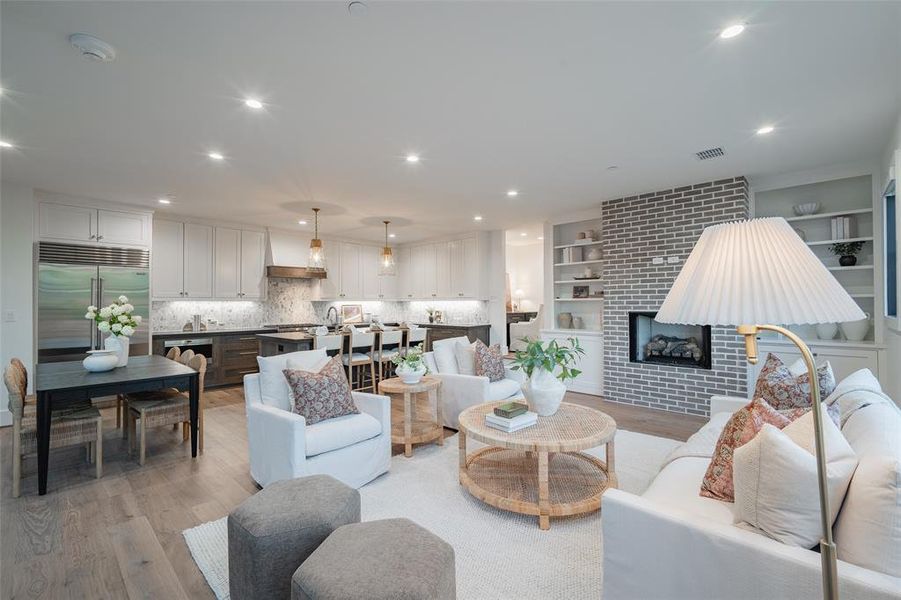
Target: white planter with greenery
point(118, 321)
point(543, 390)
point(409, 365)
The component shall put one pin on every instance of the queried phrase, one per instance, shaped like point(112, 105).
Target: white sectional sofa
point(672, 543)
point(460, 387)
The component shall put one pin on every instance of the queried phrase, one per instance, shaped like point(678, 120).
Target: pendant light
point(387, 264)
point(317, 252)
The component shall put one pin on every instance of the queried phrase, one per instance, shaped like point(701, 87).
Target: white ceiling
point(541, 96)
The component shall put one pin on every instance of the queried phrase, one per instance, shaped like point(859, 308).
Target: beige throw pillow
point(466, 358)
point(775, 480)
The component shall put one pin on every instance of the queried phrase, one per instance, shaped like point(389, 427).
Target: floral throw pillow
point(783, 390)
point(489, 361)
point(323, 395)
point(740, 430)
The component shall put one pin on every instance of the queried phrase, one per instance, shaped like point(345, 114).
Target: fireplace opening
point(668, 344)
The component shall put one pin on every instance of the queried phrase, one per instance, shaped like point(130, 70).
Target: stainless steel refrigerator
point(72, 277)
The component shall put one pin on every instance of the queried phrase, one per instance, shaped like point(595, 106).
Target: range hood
point(287, 257)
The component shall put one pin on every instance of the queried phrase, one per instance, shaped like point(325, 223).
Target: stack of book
point(842, 228)
point(511, 417)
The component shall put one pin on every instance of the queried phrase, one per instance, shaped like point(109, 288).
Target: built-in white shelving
point(578, 281)
point(845, 197)
point(601, 299)
point(579, 263)
point(560, 247)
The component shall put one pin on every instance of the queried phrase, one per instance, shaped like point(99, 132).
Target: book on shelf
point(842, 228)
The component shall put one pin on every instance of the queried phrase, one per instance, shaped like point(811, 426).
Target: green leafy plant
point(411, 359)
point(539, 355)
point(846, 248)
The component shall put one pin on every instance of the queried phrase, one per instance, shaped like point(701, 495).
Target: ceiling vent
point(93, 48)
point(710, 153)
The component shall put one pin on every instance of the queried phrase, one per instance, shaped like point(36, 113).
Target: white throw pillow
point(465, 354)
point(775, 477)
point(868, 530)
point(445, 357)
point(274, 389)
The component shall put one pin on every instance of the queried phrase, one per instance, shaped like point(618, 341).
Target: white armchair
point(526, 329)
point(354, 449)
point(461, 390)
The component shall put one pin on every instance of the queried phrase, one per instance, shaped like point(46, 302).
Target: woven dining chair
point(167, 407)
point(122, 402)
point(71, 426)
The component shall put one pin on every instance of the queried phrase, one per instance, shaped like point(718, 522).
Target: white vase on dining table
point(120, 344)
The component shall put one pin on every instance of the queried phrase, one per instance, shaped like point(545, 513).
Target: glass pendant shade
point(387, 262)
point(317, 250)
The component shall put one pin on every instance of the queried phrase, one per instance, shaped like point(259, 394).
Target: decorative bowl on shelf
point(808, 208)
point(99, 361)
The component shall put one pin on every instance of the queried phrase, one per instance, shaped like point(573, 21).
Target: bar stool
point(417, 336)
point(360, 355)
point(333, 344)
point(389, 347)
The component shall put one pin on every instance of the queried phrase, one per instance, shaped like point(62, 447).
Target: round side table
point(415, 429)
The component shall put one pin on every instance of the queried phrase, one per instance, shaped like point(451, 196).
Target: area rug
point(498, 554)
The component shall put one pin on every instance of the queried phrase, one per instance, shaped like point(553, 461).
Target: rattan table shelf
point(539, 470)
point(415, 428)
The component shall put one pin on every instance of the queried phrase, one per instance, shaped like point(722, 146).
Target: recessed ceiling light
point(477, 218)
point(301, 222)
point(164, 201)
point(216, 156)
point(512, 193)
point(413, 158)
point(765, 130)
point(392, 235)
point(5, 144)
point(732, 30)
point(253, 103)
point(540, 237)
point(613, 167)
point(523, 234)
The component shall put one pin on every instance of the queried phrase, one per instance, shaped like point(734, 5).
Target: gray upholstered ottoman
point(277, 528)
point(394, 559)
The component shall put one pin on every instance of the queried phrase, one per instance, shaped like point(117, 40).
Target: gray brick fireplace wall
point(637, 229)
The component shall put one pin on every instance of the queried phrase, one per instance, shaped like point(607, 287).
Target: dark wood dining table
point(61, 383)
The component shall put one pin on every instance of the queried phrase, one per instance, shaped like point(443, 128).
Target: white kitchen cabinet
point(467, 279)
point(330, 287)
point(844, 360)
point(168, 259)
point(122, 227)
point(227, 263)
point(198, 261)
point(424, 271)
point(72, 223)
point(388, 285)
point(253, 269)
point(369, 272)
point(443, 282)
point(351, 280)
point(406, 280)
point(67, 223)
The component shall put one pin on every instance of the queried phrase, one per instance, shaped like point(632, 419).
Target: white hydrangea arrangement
point(117, 318)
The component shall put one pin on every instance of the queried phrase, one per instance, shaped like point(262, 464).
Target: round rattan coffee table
point(539, 470)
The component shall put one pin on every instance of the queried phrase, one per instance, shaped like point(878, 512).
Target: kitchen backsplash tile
point(290, 301)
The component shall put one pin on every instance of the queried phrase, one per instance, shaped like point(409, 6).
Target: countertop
point(287, 336)
point(226, 331)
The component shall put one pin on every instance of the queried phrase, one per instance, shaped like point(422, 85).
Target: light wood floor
point(120, 536)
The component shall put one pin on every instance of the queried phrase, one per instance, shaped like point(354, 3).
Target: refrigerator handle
point(94, 300)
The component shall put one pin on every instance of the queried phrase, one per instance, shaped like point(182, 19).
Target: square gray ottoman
point(393, 559)
point(277, 528)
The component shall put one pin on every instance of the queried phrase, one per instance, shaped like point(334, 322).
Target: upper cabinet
point(196, 261)
point(74, 223)
point(406, 282)
point(442, 270)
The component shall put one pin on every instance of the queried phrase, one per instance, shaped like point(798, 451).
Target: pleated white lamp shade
point(755, 272)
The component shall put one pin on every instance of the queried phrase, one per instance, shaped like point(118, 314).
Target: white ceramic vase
point(827, 331)
point(99, 361)
point(856, 331)
point(120, 344)
point(410, 376)
point(543, 392)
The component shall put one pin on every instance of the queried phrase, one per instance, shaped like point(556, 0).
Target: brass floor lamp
point(747, 273)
